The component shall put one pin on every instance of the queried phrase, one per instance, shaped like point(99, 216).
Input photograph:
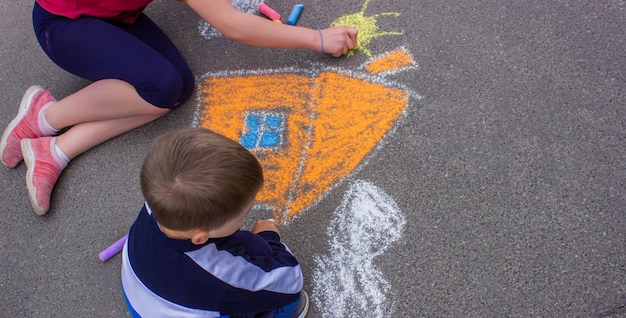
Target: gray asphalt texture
point(511, 170)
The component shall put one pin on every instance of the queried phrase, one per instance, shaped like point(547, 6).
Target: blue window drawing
point(263, 130)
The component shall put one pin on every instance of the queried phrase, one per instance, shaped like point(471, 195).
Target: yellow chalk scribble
point(366, 25)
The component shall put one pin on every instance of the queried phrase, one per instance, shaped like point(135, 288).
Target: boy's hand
point(265, 225)
point(339, 40)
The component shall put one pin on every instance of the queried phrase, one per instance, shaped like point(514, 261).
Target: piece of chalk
point(295, 14)
point(269, 12)
point(113, 249)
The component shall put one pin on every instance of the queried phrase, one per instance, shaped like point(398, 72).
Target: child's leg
point(134, 82)
point(112, 107)
point(139, 54)
point(297, 309)
point(151, 34)
point(132, 75)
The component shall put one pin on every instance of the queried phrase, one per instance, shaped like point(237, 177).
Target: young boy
point(185, 255)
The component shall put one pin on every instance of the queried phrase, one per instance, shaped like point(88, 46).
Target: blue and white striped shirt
point(243, 273)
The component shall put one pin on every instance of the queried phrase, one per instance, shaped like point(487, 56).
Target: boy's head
point(193, 178)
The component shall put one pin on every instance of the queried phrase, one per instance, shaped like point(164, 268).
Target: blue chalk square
point(263, 130)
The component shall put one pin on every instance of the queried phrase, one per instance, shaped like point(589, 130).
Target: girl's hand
point(337, 41)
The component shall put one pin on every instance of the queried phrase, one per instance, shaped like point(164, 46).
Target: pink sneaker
point(24, 125)
point(42, 171)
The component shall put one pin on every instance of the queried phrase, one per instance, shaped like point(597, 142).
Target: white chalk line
point(346, 282)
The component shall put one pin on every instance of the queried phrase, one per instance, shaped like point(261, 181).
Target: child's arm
point(268, 230)
point(255, 30)
point(280, 254)
point(270, 276)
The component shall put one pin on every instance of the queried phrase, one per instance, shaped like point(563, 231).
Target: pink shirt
point(120, 10)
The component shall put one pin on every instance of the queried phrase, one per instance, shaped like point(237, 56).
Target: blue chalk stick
point(295, 14)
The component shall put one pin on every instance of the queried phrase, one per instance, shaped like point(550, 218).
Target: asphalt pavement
point(498, 189)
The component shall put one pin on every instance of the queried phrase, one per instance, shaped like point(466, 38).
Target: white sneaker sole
point(29, 160)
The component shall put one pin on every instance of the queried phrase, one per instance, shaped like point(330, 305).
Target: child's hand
point(339, 40)
point(265, 225)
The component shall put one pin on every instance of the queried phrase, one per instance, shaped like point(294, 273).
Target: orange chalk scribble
point(308, 131)
point(393, 61)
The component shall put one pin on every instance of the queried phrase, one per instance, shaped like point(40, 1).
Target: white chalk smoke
point(346, 282)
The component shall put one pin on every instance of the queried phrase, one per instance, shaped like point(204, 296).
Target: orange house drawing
point(309, 131)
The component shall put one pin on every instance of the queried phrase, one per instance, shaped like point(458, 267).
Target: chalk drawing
point(367, 26)
point(346, 282)
point(208, 32)
point(310, 129)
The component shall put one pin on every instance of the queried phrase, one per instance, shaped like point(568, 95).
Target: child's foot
point(24, 125)
point(42, 171)
point(303, 306)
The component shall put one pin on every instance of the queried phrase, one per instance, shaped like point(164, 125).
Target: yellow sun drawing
point(366, 25)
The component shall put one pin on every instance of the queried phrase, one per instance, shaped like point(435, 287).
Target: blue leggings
point(138, 53)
